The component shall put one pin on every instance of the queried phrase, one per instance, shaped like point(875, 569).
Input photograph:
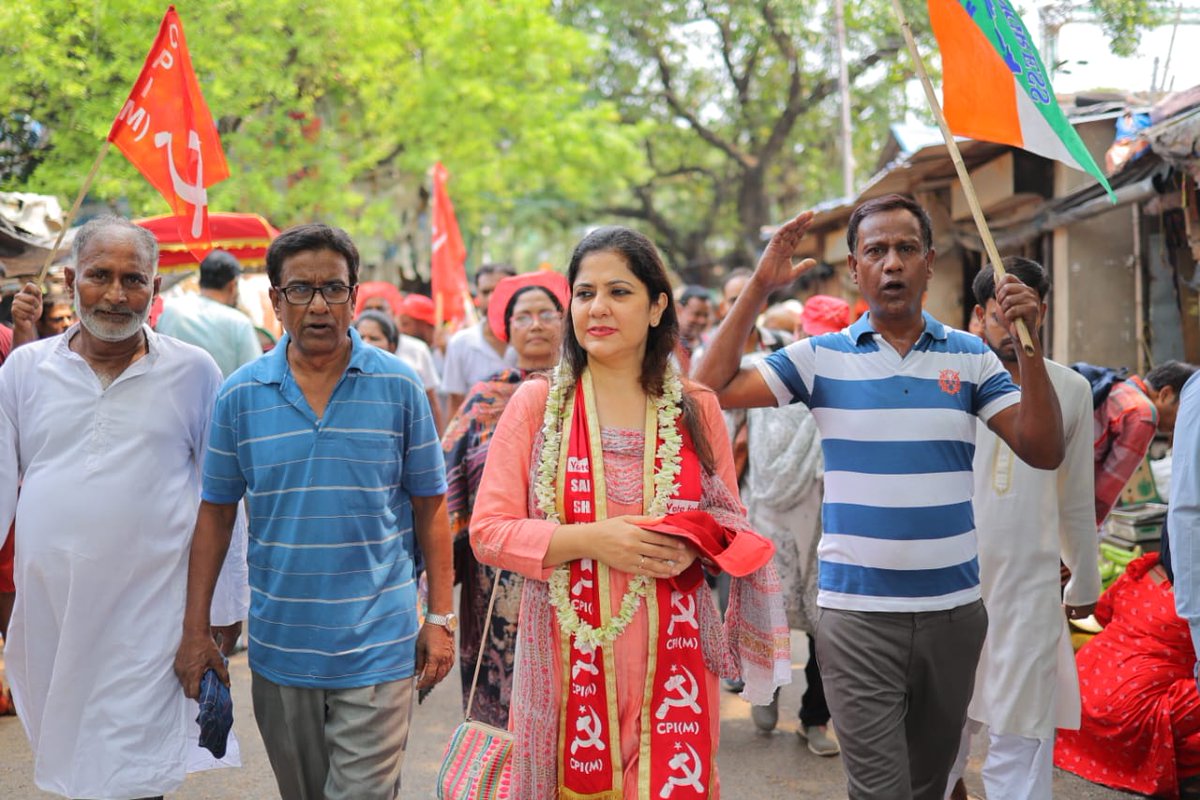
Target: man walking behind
point(1027, 685)
point(106, 425)
point(333, 444)
point(1125, 424)
point(210, 319)
point(896, 396)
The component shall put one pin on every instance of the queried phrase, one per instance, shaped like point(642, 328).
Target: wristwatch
point(447, 621)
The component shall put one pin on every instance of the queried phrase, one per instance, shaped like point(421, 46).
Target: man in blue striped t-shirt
point(333, 444)
point(895, 396)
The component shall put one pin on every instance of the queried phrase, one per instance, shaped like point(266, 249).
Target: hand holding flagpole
point(964, 177)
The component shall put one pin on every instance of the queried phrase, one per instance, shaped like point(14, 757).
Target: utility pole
point(839, 16)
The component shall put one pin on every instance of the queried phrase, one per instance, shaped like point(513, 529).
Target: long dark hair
point(643, 260)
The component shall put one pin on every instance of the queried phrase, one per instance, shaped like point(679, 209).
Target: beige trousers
point(334, 744)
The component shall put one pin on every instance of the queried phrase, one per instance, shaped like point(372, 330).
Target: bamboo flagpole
point(83, 190)
point(964, 177)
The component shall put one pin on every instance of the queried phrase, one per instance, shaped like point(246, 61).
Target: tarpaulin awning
point(245, 236)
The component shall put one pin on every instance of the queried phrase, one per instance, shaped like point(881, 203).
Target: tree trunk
point(754, 211)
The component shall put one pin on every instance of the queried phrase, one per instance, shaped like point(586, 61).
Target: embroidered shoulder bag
point(477, 764)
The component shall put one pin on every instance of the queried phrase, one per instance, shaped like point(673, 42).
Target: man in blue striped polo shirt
point(333, 443)
point(895, 396)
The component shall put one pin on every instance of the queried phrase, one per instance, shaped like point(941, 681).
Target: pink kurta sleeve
point(502, 533)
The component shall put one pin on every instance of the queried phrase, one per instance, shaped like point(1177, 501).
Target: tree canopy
point(699, 121)
point(323, 107)
point(738, 106)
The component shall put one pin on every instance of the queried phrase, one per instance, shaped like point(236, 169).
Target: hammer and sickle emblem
point(587, 731)
point(583, 583)
point(586, 663)
point(684, 606)
point(688, 776)
point(197, 195)
point(686, 689)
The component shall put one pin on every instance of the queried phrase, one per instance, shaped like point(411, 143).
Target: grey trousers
point(898, 686)
point(334, 744)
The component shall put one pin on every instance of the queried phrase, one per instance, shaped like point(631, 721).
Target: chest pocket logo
point(949, 382)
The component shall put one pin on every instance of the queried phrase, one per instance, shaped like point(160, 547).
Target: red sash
point(676, 752)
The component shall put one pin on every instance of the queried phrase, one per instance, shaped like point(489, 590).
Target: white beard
point(108, 331)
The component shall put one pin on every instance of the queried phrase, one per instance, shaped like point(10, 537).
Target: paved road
point(752, 765)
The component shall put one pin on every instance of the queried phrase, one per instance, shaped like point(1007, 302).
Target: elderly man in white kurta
point(104, 427)
point(1027, 519)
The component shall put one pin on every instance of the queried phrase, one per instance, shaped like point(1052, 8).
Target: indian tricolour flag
point(995, 87)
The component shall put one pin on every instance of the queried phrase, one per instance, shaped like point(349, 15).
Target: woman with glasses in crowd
point(525, 311)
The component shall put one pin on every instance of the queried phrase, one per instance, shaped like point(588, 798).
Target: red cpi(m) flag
point(167, 132)
point(448, 277)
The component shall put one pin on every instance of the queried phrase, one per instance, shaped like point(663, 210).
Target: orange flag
point(448, 276)
point(167, 132)
point(995, 87)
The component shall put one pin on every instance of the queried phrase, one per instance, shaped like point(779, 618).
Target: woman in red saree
point(1140, 728)
point(619, 642)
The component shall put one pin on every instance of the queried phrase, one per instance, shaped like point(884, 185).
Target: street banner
point(447, 274)
point(166, 131)
point(995, 87)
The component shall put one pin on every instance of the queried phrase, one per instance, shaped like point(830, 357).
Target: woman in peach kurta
point(620, 326)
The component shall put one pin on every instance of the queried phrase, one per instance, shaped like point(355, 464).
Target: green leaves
point(1124, 20)
point(330, 111)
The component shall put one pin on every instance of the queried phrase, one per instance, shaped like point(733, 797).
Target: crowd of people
point(643, 493)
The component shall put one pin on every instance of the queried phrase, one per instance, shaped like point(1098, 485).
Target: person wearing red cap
point(615, 693)
point(525, 311)
point(379, 296)
point(416, 317)
point(824, 314)
point(475, 353)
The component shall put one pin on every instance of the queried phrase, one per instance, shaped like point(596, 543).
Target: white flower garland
point(668, 409)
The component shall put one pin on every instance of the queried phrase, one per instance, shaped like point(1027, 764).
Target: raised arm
point(720, 368)
point(1033, 428)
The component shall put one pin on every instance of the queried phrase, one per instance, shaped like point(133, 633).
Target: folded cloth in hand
point(216, 714)
point(737, 552)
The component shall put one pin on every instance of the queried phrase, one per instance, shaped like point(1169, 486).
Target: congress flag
point(995, 87)
point(167, 132)
point(447, 274)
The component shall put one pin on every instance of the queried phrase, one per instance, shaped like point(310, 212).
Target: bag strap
point(487, 624)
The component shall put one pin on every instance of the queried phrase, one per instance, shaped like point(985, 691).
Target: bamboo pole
point(963, 176)
point(83, 190)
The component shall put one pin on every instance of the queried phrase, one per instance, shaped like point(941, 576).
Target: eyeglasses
point(524, 320)
point(301, 294)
